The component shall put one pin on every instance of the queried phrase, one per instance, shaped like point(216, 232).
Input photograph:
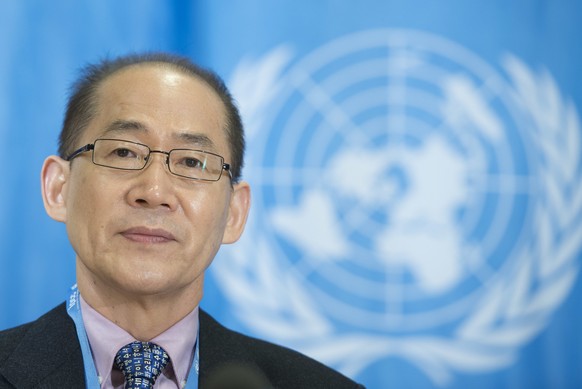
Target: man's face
point(149, 232)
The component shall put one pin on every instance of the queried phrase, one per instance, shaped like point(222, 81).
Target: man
point(148, 185)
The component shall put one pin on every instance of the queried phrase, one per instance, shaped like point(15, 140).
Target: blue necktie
point(141, 364)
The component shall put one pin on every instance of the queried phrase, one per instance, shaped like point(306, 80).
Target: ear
point(240, 203)
point(54, 178)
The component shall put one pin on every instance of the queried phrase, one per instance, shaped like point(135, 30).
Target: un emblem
point(410, 201)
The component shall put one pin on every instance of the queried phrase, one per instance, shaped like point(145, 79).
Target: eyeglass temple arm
point(83, 149)
point(226, 166)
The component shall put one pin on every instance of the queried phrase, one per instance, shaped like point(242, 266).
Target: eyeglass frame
point(91, 147)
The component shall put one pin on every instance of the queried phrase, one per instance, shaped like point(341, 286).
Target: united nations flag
point(417, 205)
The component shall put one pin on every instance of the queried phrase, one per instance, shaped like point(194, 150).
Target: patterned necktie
point(141, 364)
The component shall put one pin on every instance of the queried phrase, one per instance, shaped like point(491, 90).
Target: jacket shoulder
point(12, 337)
point(283, 367)
point(44, 351)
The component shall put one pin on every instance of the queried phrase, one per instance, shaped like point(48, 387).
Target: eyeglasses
point(126, 155)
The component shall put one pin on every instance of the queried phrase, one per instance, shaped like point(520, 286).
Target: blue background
point(43, 44)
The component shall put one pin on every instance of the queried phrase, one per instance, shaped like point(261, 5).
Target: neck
point(143, 315)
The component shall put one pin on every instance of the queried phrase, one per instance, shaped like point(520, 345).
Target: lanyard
point(91, 377)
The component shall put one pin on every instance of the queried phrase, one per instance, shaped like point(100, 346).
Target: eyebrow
point(195, 139)
point(192, 139)
point(125, 125)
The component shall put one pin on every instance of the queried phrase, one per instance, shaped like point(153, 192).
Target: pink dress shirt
point(106, 338)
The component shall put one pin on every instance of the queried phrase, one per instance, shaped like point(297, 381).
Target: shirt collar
point(106, 338)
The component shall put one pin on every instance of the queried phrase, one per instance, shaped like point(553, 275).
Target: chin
point(163, 283)
point(146, 284)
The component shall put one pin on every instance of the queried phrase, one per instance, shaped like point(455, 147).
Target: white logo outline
point(510, 314)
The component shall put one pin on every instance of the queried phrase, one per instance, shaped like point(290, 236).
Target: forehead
point(167, 103)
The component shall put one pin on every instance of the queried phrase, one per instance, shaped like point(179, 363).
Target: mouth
point(148, 235)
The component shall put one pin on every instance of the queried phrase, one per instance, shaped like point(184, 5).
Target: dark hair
point(82, 103)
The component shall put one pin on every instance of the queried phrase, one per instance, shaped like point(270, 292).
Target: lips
point(148, 235)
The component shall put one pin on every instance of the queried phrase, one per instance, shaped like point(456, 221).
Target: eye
point(193, 163)
point(123, 153)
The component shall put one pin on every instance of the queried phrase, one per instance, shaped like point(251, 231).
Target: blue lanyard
point(91, 377)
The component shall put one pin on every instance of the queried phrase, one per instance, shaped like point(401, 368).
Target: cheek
point(88, 205)
point(207, 214)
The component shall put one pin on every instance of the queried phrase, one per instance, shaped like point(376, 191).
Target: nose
point(153, 187)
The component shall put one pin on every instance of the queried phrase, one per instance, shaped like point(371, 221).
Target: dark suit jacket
point(46, 354)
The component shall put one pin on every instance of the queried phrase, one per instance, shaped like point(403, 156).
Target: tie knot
point(141, 364)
